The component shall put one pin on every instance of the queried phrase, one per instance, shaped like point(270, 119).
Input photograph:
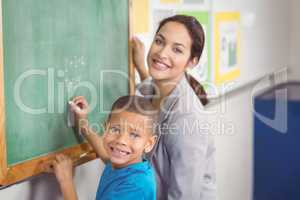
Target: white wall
point(294, 40)
point(234, 152)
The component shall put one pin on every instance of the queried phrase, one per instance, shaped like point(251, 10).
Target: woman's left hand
point(138, 54)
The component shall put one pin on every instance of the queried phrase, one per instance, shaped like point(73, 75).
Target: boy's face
point(128, 135)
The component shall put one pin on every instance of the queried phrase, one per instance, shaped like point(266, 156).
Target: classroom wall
point(234, 152)
point(265, 48)
point(264, 35)
point(294, 40)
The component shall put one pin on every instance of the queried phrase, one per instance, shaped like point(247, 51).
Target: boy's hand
point(63, 169)
point(138, 53)
point(80, 107)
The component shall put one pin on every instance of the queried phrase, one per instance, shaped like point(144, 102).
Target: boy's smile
point(127, 136)
point(118, 152)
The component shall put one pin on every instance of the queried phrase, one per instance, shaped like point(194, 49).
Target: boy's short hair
point(138, 105)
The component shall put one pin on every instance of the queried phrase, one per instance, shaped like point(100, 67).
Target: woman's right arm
point(138, 52)
point(80, 107)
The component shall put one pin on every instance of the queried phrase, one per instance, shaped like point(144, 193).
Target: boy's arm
point(96, 141)
point(68, 191)
point(62, 166)
point(80, 107)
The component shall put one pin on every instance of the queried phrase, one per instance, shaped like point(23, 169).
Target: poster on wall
point(141, 16)
point(202, 72)
point(227, 46)
point(170, 1)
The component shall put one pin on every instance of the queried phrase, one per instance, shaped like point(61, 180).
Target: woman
point(183, 158)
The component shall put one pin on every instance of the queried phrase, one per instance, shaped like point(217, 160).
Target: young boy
point(129, 134)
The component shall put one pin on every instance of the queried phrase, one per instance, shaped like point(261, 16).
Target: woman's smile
point(159, 65)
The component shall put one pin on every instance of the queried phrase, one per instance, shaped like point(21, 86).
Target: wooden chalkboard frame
point(22, 171)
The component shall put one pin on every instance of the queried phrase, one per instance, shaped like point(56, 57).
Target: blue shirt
point(134, 182)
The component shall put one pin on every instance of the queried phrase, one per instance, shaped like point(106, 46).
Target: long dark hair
point(198, 39)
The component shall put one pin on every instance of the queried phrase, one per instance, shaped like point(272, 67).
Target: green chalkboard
point(54, 50)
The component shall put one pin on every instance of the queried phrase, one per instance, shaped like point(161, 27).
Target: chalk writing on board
point(74, 67)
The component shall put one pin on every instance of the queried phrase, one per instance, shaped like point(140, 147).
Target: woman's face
point(170, 53)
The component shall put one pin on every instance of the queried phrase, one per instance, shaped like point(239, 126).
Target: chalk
point(77, 160)
point(83, 155)
point(70, 116)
